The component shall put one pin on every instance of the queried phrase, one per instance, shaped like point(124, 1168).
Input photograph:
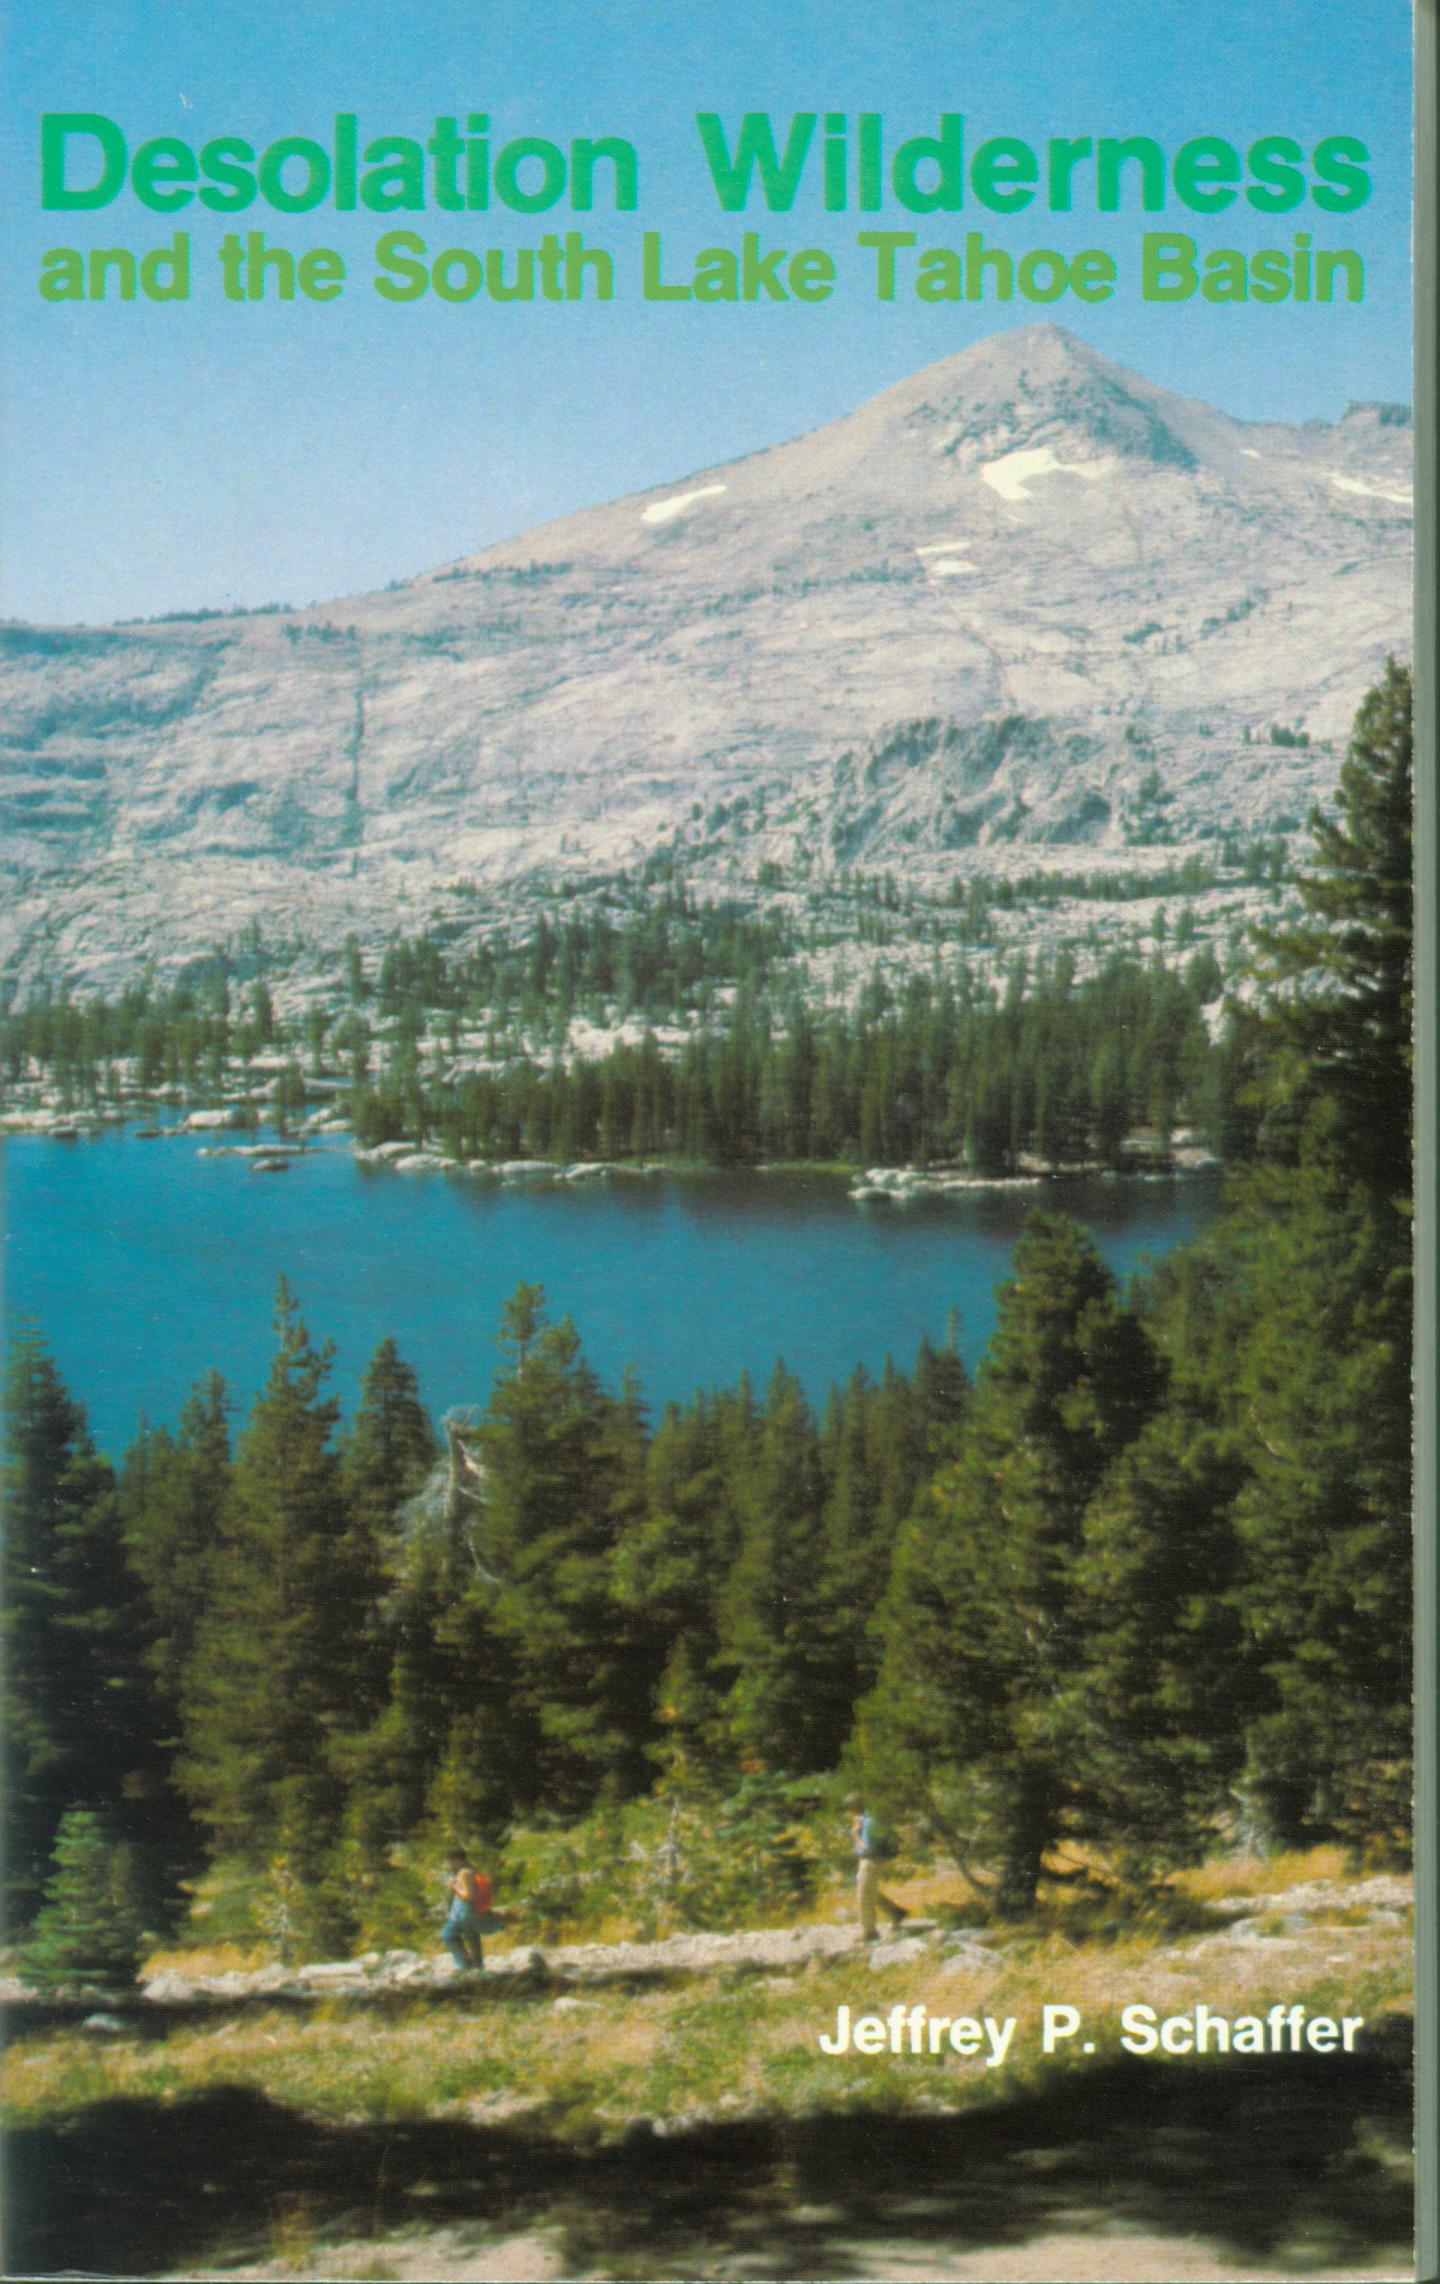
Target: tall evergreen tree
point(80, 1725)
point(1319, 1242)
point(401, 1686)
point(386, 1457)
point(1311, 1390)
point(271, 1679)
point(671, 1564)
point(172, 1492)
point(780, 1704)
point(879, 1446)
point(559, 1681)
point(1336, 1029)
point(1156, 1709)
point(982, 1627)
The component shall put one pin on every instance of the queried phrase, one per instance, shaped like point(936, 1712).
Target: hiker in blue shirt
point(868, 1898)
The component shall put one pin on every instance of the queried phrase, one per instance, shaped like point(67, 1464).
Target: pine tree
point(1339, 1006)
point(779, 1705)
point(1319, 1246)
point(1157, 1706)
point(671, 1563)
point(80, 1719)
point(276, 1648)
point(89, 1927)
point(859, 1450)
point(1318, 1389)
point(388, 1454)
point(400, 1690)
point(982, 1627)
point(558, 1682)
point(172, 1492)
point(879, 1445)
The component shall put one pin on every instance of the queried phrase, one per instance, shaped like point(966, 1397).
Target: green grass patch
point(712, 2048)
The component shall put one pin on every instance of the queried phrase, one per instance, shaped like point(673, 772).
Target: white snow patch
point(939, 559)
point(1013, 473)
point(1248, 452)
point(665, 511)
point(1401, 494)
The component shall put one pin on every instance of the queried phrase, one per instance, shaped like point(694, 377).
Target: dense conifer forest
point(649, 1024)
point(1059, 1068)
point(1142, 1586)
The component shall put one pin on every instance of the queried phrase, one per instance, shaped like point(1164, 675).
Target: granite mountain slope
point(1023, 601)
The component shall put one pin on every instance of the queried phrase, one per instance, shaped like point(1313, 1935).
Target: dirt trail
point(1290, 1918)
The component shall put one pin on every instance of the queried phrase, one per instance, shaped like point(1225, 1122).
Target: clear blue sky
point(161, 456)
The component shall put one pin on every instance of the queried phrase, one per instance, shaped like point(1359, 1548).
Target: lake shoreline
point(890, 1185)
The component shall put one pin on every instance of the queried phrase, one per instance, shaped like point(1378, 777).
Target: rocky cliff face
point(1025, 601)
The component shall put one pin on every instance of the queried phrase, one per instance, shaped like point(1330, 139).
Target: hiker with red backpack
point(471, 1912)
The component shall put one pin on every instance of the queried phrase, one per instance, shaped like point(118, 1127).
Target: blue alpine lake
point(143, 1263)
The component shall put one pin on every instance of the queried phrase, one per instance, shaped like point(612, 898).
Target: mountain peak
point(1034, 387)
point(1079, 594)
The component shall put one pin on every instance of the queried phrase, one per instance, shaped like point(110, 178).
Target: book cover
point(706, 1062)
